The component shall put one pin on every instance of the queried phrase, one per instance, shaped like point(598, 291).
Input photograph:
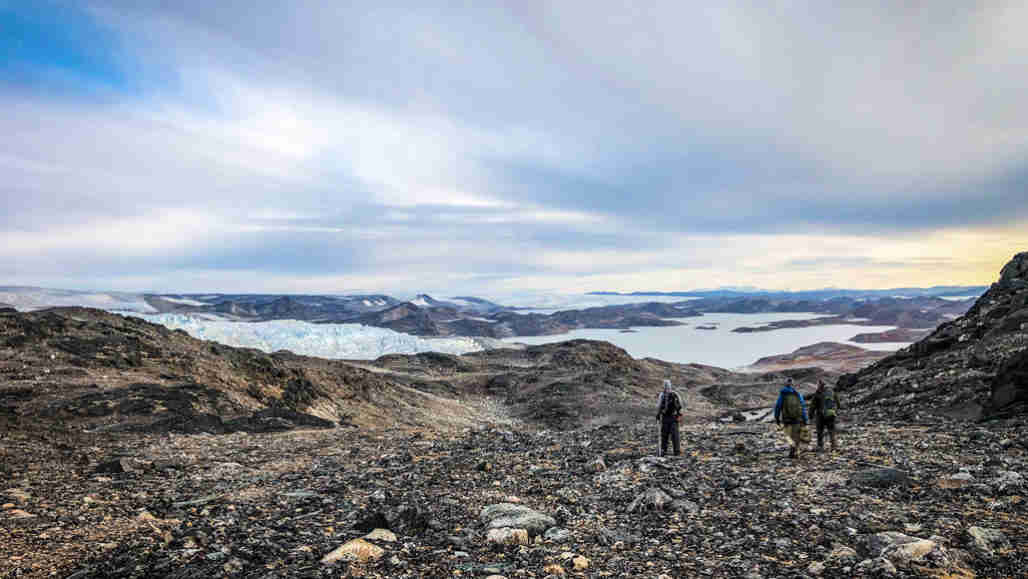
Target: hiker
point(823, 406)
point(669, 412)
point(791, 410)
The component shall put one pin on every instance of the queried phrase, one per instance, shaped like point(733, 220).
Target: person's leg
point(793, 432)
point(676, 438)
point(820, 435)
point(831, 432)
point(665, 431)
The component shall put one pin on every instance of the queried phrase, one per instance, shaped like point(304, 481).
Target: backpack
point(671, 405)
point(792, 409)
point(828, 404)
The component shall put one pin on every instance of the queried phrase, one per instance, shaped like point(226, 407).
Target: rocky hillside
point(129, 451)
point(97, 370)
point(974, 367)
point(101, 371)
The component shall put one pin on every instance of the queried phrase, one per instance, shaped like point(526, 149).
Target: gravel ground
point(895, 500)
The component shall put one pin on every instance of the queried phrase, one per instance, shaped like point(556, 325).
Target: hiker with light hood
point(669, 413)
point(791, 414)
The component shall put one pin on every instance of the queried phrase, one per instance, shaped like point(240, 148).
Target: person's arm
point(803, 404)
point(660, 405)
point(778, 409)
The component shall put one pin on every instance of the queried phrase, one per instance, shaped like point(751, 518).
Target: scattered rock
point(357, 549)
point(904, 554)
point(381, 535)
point(507, 536)
point(878, 565)
point(557, 535)
point(116, 466)
point(650, 499)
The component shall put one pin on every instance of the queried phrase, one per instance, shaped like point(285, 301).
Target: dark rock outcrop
point(973, 367)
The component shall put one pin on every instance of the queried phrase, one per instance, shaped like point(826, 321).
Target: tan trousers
point(792, 434)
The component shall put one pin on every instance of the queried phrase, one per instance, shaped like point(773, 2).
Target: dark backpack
point(671, 405)
point(792, 408)
point(828, 404)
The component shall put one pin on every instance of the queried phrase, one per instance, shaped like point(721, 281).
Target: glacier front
point(341, 341)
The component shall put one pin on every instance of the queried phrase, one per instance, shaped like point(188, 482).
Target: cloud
point(512, 143)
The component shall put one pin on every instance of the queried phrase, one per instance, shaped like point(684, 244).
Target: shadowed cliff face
point(972, 367)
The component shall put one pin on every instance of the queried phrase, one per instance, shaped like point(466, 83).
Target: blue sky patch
point(57, 45)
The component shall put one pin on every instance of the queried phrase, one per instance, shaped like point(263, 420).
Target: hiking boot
point(792, 452)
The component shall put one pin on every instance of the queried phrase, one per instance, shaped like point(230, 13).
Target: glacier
point(340, 341)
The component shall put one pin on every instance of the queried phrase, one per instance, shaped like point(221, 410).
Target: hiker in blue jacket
point(791, 411)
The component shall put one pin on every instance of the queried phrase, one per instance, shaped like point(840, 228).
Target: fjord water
point(720, 346)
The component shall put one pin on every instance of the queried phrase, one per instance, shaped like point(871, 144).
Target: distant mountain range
point(424, 315)
point(941, 291)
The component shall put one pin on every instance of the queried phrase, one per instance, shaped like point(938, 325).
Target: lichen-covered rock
point(987, 541)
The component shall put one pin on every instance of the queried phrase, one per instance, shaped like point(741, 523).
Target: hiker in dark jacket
point(791, 411)
point(824, 406)
point(669, 410)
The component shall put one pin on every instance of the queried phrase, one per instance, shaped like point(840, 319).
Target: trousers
point(825, 423)
point(669, 430)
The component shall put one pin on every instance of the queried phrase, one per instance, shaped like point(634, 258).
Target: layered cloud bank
point(303, 147)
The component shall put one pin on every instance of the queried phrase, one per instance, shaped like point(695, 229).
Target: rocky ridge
point(972, 367)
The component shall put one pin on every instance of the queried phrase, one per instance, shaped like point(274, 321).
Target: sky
point(491, 147)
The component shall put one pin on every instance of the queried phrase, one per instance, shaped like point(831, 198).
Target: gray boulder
point(502, 515)
point(880, 477)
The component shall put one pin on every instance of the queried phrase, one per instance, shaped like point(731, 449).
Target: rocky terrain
point(129, 450)
point(972, 367)
point(508, 500)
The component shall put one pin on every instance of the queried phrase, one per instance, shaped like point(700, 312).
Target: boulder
point(557, 535)
point(507, 536)
point(878, 542)
point(987, 541)
point(879, 566)
point(500, 515)
point(902, 555)
point(880, 477)
point(357, 549)
point(651, 499)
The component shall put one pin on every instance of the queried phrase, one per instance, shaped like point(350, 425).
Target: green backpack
point(828, 404)
point(792, 409)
